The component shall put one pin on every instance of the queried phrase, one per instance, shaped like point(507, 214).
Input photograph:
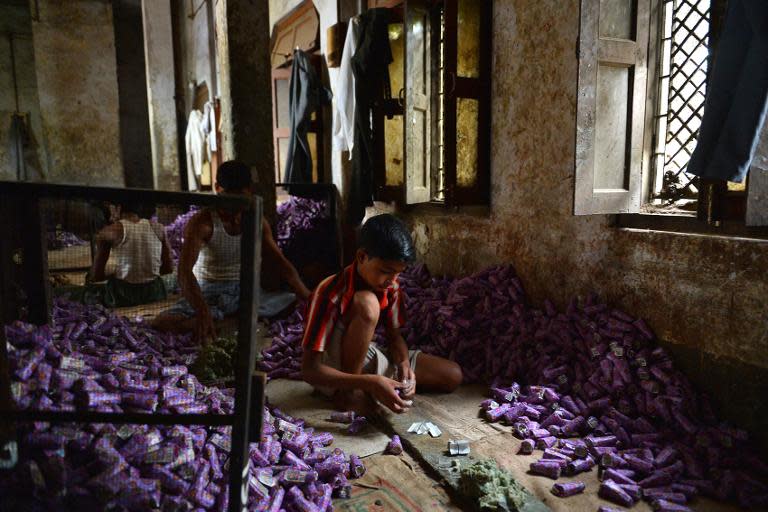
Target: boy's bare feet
point(355, 400)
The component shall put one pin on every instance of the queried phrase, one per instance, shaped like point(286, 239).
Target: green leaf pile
point(494, 488)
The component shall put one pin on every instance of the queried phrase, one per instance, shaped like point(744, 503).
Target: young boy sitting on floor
point(339, 358)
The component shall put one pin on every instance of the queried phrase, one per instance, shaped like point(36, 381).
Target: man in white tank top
point(209, 265)
point(141, 253)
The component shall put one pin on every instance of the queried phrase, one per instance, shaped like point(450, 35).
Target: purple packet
point(579, 466)
point(277, 500)
point(546, 442)
point(668, 506)
point(324, 502)
point(342, 417)
point(610, 491)
point(548, 468)
point(526, 447)
point(300, 503)
point(566, 489)
point(298, 477)
point(635, 491)
point(97, 398)
point(395, 446)
point(323, 439)
point(357, 425)
point(640, 465)
point(140, 400)
point(617, 476)
point(290, 459)
point(356, 467)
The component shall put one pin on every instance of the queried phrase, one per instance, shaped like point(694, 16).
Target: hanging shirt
point(138, 254)
point(196, 148)
point(344, 94)
point(307, 94)
point(331, 299)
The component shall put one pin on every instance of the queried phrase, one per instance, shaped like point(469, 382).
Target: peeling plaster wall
point(706, 296)
point(77, 82)
point(15, 20)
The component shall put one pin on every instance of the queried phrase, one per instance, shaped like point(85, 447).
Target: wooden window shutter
point(417, 128)
point(757, 189)
point(467, 103)
point(610, 109)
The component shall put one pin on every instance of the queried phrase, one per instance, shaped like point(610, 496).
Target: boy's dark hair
point(386, 237)
point(143, 210)
point(233, 176)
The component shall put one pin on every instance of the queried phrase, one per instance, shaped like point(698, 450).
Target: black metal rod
point(138, 418)
point(35, 263)
point(245, 417)
point(118, 195)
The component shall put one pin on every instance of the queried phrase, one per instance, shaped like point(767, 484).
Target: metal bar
point(258, 385)
point(35, 263)
point(111, 194)
point(250, 258)
point(13, 71)
point(26, 415)
point(61, 270)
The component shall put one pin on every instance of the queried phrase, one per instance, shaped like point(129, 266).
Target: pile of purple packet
point(63, 239)
point(90, 359)
point(599, 391)
point(175, 232)
point(305, 233)
point(298, 215)
point(282, 359)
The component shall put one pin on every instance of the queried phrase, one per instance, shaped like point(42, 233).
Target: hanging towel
point(737, 95)
point(344, 120)
point(307, 94)
point(196, 148)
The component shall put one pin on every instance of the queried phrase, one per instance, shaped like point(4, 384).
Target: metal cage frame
point(246, 421)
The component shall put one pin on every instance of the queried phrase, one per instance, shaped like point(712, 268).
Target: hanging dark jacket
point(370, 66)
point(307, 94)
point(737, 95)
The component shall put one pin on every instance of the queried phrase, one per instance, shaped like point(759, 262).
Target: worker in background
point(141, 254)
point(209, 265)
point(339, 357)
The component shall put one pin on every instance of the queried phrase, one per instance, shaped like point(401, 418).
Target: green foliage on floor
point(494, 488)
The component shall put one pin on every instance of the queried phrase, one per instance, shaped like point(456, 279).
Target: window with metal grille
point(684, 55)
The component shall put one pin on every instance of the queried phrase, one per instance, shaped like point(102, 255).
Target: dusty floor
point(457, 416)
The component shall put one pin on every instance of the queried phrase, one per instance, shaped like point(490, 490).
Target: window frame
point(475, 88)
point(719, 211)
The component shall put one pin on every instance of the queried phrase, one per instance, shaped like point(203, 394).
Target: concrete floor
point(457, 415)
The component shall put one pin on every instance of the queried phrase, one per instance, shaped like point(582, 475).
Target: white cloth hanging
point(344, 93)
point(196, 148)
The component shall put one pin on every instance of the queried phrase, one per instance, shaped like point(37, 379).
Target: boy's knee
point(453, 376)
point(365, 305)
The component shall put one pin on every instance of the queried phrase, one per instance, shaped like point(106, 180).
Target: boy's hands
point(204, 329)
point(384, 390)
point(408, 378)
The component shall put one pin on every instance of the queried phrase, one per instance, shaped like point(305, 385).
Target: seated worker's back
point(138, 254)
point(141, 253)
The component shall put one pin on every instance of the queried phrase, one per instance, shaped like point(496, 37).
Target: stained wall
point(705, 296)
point(74, 51)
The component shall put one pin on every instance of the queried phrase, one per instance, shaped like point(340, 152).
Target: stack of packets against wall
point(89, 359)
point(589, 372)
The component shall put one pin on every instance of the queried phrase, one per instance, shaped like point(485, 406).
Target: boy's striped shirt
point(330, 301)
